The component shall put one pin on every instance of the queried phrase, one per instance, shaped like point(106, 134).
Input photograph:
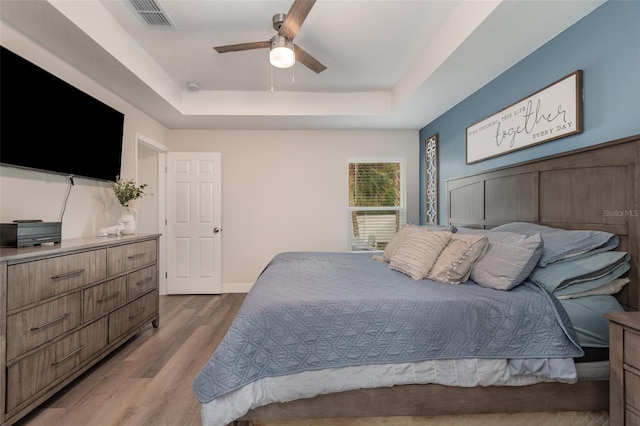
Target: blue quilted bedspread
point(315, 310)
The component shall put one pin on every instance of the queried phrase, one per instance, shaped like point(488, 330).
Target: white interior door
point(194, 226)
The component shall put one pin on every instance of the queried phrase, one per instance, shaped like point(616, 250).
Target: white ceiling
point(391, 64)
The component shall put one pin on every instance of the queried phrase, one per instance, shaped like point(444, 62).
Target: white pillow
point(419, 251)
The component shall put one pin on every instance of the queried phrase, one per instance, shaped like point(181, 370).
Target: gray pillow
point(509, 258)
point(561, 244)
point(584, 286)
point(612, 287)
point(561, 275)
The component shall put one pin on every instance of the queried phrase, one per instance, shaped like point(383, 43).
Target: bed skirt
point(565, 418)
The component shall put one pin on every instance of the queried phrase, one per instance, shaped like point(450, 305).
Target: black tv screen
point(47, 124)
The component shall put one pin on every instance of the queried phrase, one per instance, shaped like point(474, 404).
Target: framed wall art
point(553, 112)
point(431, 179)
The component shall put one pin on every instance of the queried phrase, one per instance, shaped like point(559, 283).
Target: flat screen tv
point(48, 125)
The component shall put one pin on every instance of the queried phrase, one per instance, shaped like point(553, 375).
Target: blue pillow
point(509, 258)
point(561, 244)
point(561, 275)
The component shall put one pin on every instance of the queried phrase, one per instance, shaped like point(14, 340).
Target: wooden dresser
point(66, 306)
point(624, 360)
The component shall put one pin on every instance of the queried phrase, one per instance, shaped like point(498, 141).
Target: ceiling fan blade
point(295, 17)
point(307, 60)
point(243, 46)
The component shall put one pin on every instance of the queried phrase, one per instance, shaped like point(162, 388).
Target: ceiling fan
point(283, 52)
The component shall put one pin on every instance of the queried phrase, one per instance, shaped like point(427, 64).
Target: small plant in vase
point(128, 194)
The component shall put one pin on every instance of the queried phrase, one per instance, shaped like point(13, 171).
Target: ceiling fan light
point(281, 54)
point(282, 57)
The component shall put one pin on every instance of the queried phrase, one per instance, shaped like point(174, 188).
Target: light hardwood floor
point(147, 382)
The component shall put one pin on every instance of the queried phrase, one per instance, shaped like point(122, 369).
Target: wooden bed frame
point(592, 188)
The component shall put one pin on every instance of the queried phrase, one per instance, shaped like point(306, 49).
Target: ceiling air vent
point(152, 14)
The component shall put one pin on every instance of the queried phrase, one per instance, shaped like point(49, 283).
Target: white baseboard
point(226, 288)
point(236, 287)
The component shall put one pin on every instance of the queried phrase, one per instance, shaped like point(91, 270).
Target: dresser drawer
point(35, 326)
point(132, 315)
point(128, 257)
point(632, 389)
point(141, 281)
point(34, 373)
point(33, 281)
point(102, 298)
point(632, 348)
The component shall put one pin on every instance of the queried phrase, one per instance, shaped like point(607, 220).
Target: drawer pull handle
point(135, 256)
point(67, 356)
point(144, 281)
point(67, 274)
point(137, 314)
point(50, 322)
point(113, 296)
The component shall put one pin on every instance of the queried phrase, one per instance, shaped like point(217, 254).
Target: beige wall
point(287, 190)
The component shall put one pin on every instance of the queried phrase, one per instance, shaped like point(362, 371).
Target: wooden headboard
point(596, 188)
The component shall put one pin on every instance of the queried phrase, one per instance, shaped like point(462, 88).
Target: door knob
point(216, 230)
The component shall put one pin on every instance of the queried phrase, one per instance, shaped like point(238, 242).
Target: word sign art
point(551, 113)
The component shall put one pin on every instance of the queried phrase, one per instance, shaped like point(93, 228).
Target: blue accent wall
point(604, 44)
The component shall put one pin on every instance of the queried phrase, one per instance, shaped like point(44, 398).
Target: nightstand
point(624, 361)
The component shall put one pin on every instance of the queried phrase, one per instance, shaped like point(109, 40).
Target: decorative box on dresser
point(66, 306)
point(624, 361)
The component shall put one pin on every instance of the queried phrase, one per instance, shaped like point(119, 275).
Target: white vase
point(128, 219)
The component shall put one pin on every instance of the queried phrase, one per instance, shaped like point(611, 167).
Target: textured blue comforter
point(315, 310)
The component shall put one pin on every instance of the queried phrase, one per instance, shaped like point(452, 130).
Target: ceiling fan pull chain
point(271, 69)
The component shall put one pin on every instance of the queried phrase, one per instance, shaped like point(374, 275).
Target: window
point(376, 202)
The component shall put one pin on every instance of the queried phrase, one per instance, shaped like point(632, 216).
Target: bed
point(317, 359)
